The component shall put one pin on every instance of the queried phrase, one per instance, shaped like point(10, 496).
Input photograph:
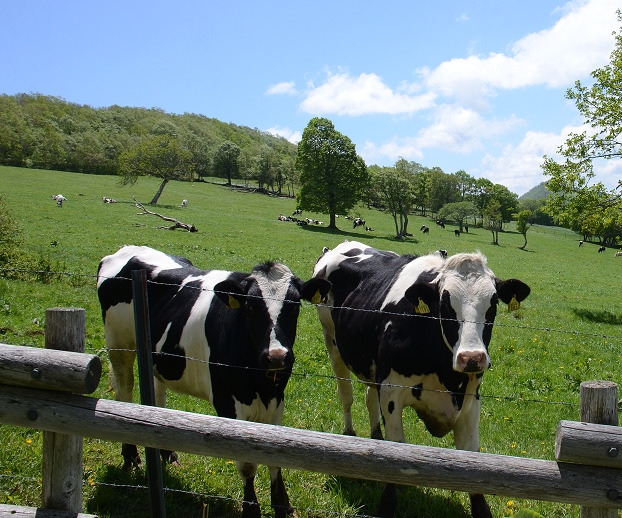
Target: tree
point(522, 224)
point(458, 212)
point(226, 161)
point(332, 175)
point(161, 157)
point(395, 194)
point(493, 219)
point(574, 198)
point(444, 188)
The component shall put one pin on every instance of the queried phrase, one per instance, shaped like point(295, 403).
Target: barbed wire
point(364, 310)
point(90, 483)
point(332, 376)
point(345, 308)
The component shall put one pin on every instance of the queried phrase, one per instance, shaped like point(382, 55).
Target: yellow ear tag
point(422, 307)
point(513, 305)
point(233, 303)
point(317, 298)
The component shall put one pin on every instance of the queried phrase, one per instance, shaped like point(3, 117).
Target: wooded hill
point(48, 132)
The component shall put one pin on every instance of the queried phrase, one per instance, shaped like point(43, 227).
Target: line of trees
point(48, 132)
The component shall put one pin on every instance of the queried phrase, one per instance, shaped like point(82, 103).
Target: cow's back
point(179, 299)
point(367, 294)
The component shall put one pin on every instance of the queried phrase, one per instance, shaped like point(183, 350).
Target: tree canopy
point(161, 157)
point(579, 202)
point(332, 175)
point(49, 132)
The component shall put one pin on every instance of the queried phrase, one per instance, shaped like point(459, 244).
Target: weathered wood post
point(65, 329)
point(599, 404)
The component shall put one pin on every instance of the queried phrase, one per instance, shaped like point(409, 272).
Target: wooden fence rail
point(354, 457)
point(34, 386)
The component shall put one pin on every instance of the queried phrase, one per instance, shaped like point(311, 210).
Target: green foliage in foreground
point(566, 332)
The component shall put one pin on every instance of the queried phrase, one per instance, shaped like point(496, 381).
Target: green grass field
point(566, 332)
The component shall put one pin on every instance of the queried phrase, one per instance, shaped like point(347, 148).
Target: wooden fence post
point(599, 405)
point(65, 329)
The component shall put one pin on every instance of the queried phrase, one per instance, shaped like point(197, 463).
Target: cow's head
point(464, 296)
point(270, 299)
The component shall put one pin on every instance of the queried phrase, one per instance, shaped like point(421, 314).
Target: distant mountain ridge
point(538, 192)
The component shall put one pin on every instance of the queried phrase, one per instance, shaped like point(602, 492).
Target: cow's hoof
point(251, 510)
point(388, 502)
point(170, 457)
point(479, 507)
point(377, 434)
point(283, 511)
point(131, 463)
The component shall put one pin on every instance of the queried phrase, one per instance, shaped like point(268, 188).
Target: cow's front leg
point(250, 506)
point(344, 386)
point(122, 381)
point(159, 388)
point(391, 406)
point(466, 437)
point(373, 408)
point(278, 493)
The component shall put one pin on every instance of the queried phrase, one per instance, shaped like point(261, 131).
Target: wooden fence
point(36, 392)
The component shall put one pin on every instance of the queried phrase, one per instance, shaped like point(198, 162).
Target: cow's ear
point(424, 296)
point(512, 292)
point(230, 293)
point(315, 290)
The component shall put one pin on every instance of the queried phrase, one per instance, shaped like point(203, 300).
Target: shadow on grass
point(601, 317)
point(412, 501)
point(123, 493)
point(362, 235)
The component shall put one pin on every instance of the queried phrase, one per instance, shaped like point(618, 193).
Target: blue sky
point(476, 86)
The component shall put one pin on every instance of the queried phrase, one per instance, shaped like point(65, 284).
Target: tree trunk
point(523, 247)
point(157, 196)
point(397, 229)
point(333, 221)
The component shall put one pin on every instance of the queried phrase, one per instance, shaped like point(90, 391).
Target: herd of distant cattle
point(414, 329)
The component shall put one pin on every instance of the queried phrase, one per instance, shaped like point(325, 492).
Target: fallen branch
point(177, 223)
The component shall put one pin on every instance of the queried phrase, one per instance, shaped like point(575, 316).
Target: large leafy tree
point(161, 157)
point(575, 198)
point(332, 175)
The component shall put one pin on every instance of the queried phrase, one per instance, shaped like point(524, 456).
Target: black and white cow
point(417, 330)
point(243, 324)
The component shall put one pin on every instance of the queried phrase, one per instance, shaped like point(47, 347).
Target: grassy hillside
point(567, 331)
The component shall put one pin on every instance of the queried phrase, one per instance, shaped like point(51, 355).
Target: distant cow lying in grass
point(216, 335)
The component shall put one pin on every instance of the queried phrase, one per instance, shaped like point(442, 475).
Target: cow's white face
point(468, 307)
point(464, 296)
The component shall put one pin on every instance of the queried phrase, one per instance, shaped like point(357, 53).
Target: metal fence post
point(147, 394)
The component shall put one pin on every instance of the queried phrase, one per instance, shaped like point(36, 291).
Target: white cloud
point(461, 130)
point(404, 147)
point(294, 136)
point(577, 44)
point(518, 167)
point(284, 88)
point(366, 94)
point(455, 129)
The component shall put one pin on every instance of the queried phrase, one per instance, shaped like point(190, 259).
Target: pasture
point(567, 331)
